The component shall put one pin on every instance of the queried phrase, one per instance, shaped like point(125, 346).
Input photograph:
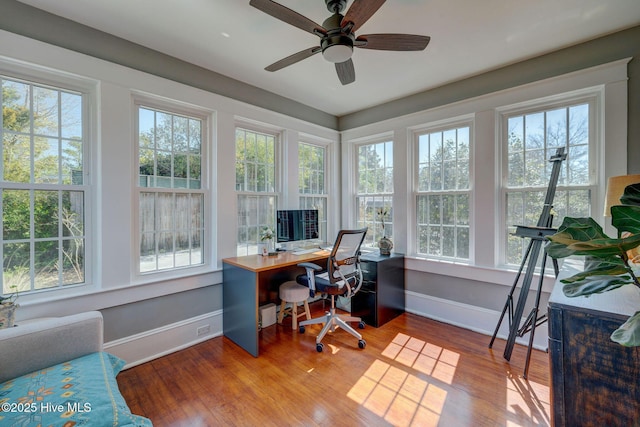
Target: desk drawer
point(368, 285)
point(369, 271)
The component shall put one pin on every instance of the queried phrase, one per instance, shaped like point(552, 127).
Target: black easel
point(538, 235)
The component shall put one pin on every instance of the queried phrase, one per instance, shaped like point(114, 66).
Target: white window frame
point(609, 80)
point(180, 109)
point(590, 97)
point(277, 134)
point(415, 171)
point(87, 88)
point(324, 232)
point(374, 232)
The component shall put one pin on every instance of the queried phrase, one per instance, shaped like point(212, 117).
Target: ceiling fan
point(337, 34)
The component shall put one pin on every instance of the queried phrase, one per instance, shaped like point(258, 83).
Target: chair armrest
point(311, 268)
point(310, 265)
point(41, 344)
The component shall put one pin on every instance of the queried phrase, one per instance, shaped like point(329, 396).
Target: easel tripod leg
point(509, 303)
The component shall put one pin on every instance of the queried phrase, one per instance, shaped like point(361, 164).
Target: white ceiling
point(468, 37)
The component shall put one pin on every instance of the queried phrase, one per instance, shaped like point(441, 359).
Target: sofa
point(54, 372)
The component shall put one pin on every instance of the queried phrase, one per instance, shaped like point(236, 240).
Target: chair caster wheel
point(319, 347)
point(361, 324)
point(362, 343)
point(301, 329)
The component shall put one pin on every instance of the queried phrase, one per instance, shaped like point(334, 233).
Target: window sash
point(530, 138)
point(368, 215)
point(171, 230)
point(171, 193)
point(374, 190)
point(44, 196)
point(256, 186)
point(312, 182)
point(255, 161)
point(443, 195)
point(318, 203)
point(375, 168)
point(312, 169)
point(255, 212)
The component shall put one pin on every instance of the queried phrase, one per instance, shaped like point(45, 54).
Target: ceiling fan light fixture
point(337, 53)
point(337, 34)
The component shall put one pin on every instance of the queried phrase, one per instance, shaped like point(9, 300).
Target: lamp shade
point(615, 190)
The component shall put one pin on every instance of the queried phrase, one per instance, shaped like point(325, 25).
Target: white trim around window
point(194, 189)
point(544, 109)
point(331, 181)
point(459, 224)
point(607, 81)
point(257, 199)
point(86, 89)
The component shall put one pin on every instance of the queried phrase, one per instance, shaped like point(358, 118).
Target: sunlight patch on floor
point(427, 358)
point(400, 397)
point(528, 403)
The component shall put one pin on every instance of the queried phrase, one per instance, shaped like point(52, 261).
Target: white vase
point(265, 247)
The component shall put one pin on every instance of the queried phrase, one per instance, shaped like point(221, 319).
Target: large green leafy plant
point(610, 263)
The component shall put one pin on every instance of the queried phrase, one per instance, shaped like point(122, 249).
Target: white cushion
point(293, 292)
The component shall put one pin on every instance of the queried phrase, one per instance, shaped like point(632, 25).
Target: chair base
point(333, 321)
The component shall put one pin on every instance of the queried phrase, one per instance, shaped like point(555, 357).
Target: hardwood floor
point(413, 372)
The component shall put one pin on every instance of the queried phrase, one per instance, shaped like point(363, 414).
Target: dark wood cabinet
point(594, 381)
point(381, 297)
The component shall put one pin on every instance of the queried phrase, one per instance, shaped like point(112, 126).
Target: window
point(171, 197)
point(375, 190)
point(442, 199)
point(43, 193)
point(255, 186)
point(311, 176)
point(531, 139)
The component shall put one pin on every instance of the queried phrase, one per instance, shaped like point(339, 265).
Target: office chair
point(343, 277)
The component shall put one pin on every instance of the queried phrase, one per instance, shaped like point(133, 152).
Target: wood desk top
point(258, 263)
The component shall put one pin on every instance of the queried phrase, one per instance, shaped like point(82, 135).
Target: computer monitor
point(298, 224)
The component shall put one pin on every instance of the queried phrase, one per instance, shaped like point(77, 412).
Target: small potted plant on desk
point(266, 236)
point(8, 308)
point(609, 263)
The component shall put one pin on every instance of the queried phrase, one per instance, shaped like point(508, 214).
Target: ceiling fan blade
point(287, 15)
point(346, 72)
point(292, 59)
point(360, 12)
point(402, 42)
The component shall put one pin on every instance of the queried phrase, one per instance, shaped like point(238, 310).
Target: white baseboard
point(470, 317)
point(149, 345)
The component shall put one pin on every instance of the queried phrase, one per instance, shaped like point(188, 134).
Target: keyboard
point(305, 251)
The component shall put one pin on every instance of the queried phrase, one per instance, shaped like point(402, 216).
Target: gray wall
point(132, 318)
point(471, 292)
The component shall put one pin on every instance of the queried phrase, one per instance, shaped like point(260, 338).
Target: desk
point(249, 282)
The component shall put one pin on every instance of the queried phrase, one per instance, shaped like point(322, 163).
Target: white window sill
point(498, 276)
